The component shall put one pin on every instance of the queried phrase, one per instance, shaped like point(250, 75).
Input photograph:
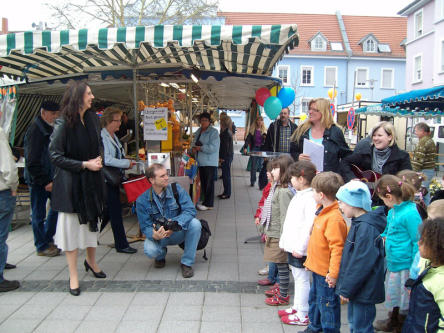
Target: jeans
point(226, 176)
point(324, 310)
point(429, 173)
point(207, 174)
point(7, 206)
point(115, 215)
point(256, 163)
point(157, 248)
point(360, 317)
point(44, 227)
point(273, 275)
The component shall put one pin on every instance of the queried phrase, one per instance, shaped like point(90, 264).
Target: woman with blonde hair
point(320, 128)
point(380, 155)
point(255, 139)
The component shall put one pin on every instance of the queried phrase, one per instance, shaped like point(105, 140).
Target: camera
point(167, 224)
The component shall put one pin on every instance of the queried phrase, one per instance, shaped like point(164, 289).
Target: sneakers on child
point(273, 290)
point(263, 271)
point(286, 312)
point(293, 319)
point(277, 299)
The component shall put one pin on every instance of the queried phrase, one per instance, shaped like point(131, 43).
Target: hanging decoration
point(332, 92)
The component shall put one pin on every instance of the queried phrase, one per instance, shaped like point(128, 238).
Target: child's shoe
point(286, 312)
point(277, 299)
point(293, 319)
point(263, 271)
point(273, 290)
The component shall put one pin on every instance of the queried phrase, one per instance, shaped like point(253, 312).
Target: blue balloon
point(286, 95)
point(273, 107)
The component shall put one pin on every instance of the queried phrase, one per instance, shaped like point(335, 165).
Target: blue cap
point(356, 194)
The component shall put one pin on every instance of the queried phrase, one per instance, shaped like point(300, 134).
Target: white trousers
point(301, 290)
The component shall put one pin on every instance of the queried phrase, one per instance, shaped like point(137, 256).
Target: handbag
point(113, 176)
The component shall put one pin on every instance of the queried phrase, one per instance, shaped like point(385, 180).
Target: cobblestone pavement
point(136, 297)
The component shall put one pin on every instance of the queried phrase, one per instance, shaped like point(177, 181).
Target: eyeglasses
point(314, 110)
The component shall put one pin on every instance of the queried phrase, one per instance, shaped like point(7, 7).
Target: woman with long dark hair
point(78, 189)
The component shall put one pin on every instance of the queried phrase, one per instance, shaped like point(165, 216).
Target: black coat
point(335, 148)
point(38, 167)
point(226, 145)
point(61, 197)
point(363, 155)
point(269, 140)
point(361, 274)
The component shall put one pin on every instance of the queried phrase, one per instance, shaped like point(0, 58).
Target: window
point(417, 71)
point(361, 77)
point(330, 79)
point(387, 78)
point(418, 24)
point(384, 48)
point(318, 43)
point(283, 74)
point(336, 46)
point(306, 76)
point(370, 45)
point(304, 105)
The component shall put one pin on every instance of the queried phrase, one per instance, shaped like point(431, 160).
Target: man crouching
point(165, 221)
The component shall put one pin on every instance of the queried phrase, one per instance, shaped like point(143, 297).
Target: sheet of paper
point(316, 153)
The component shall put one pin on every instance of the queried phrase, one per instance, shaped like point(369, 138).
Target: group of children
point(303, 216)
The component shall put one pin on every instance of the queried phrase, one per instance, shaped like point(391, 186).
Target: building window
point(369, 45)
point(318, 43)
point(283, 74)
point(387, 78)
point(304, 105)
point(418, 24)
point(306, 76)
point(417, 72)
point(361, 77)
point(330, 79)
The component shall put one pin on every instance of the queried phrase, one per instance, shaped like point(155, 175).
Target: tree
point(76, 14)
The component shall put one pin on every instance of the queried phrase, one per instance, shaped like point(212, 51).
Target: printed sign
point(155, 124)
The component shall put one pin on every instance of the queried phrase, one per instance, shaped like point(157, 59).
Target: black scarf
point(87, 186)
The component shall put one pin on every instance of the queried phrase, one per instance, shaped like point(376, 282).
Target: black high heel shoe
point(99, 275)
point(74, 292)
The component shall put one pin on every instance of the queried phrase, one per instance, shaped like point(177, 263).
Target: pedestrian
point(255, 139)
point(226, 155)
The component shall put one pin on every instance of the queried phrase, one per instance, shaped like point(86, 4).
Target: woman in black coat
point(78, 188)
point(380, 154)
point(320, 128)
point(226, 155)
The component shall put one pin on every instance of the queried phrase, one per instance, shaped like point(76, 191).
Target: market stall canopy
point(416, 103)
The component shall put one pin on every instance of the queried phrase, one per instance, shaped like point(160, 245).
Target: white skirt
point(71, 235)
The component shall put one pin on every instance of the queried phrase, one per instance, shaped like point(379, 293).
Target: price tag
point(160, 124)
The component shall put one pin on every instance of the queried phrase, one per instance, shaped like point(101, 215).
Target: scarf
point(379, 158)
point(266, 211)
point(87, 186)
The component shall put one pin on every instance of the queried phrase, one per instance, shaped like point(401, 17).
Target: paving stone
point(46, 298)
point(15, 297)
point(95, 326)
point(85, 298)
point(149, 299)
point(259, 314)
point(32, 312)
point(69, 312)
point(179, 327)
point(221, 313)
point(51, 326)
point(182, 312)
point(254, 327)
point(144, 312)
point(222, 298)
point(7, 310)
point(195, 298)
point(19, 326)
point(137, 326)
point(117, 299)
point(104, 313)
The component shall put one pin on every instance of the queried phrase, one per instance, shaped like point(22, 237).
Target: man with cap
point(39, 174)
point(361, 274)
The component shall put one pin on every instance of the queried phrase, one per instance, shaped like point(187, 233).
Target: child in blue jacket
point(361, 274)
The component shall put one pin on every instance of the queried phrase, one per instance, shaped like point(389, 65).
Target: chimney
point(4, 26)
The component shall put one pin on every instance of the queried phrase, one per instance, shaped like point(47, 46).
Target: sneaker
point(7, 285)
point(159, 263)
point(277, 299)
point(263, 271)
point(49, 252)
point(264, 282)
point(286, 312)
point(201, 207)
point(187, 271)
point(293, 319)
point(272, 291)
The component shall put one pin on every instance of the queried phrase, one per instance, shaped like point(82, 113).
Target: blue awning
point(384, 110)
point(422, 100)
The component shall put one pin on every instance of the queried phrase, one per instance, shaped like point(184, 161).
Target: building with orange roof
point(352, 54)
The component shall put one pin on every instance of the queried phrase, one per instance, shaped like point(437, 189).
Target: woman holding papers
point(319, 128)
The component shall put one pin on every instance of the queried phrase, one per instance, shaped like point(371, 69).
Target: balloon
point(261, 95)
point(358, 96)
point(330, 93)
point(274, 90)
point(286, 95)
point(273, 107)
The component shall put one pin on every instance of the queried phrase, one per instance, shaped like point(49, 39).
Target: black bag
point(113, 176)
point(205, 231)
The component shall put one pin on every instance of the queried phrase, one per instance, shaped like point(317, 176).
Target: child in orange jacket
point(324, 254)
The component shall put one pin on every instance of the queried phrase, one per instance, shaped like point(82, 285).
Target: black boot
point(389, 324)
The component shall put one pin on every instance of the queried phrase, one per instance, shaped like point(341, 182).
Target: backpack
point(205, 230)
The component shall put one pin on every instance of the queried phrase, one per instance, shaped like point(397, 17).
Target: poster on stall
point(155, 124)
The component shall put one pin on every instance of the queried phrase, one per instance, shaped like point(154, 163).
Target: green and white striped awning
point(246, 49)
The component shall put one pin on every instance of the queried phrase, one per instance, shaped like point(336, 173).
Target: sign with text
point(155, 124)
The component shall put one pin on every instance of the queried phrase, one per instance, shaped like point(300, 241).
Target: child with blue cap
point(361, 273)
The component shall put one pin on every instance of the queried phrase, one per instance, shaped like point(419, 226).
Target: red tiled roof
point(388, 30)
